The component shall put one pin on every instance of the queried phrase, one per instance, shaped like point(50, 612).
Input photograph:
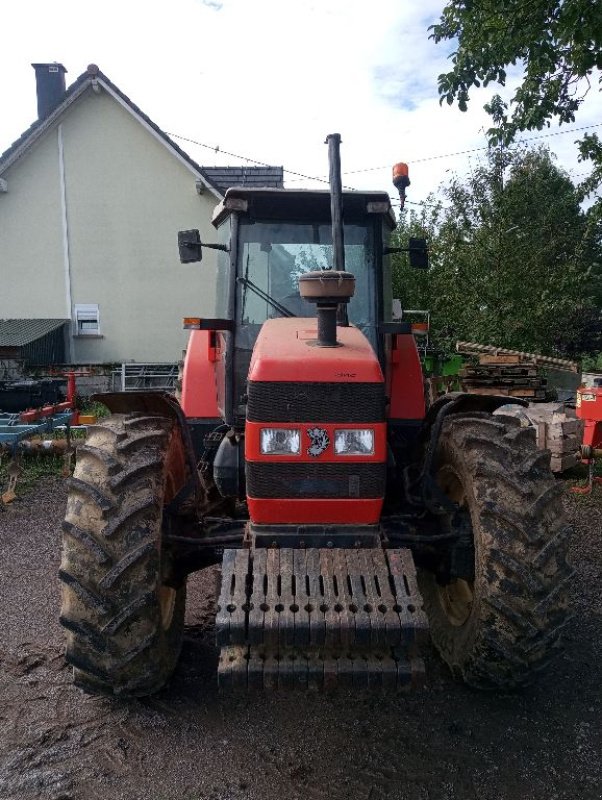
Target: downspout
point(66, 254)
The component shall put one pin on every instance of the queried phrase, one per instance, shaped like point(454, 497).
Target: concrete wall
point(126, 196)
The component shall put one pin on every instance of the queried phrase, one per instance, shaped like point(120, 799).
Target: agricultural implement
point(351, 521)
point(589, 409)
point(22, 431)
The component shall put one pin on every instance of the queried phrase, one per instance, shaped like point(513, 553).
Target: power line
point(217, 149)
point(321, 179)
point(476, 149)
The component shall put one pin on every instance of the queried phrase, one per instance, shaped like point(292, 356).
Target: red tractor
point(350, 520)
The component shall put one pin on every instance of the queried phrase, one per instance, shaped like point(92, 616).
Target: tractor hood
point(285, 350)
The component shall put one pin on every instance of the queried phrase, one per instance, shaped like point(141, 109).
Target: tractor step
point(320, 618)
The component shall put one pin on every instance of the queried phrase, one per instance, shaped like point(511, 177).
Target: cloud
point(267, 79)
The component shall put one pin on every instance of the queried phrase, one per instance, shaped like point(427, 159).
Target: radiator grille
point(322, 480)
point(320, 402)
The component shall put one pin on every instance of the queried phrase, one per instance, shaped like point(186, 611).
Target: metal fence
point(135, 377)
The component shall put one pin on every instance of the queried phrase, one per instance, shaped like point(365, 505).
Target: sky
point(267, 80)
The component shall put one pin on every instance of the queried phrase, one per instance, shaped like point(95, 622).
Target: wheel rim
point(167, 602)
point(457, 599)
point(457, 596)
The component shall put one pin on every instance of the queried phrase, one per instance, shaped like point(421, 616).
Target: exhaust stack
point(333, 140)
point(329, 288)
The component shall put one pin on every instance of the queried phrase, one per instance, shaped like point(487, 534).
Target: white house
point(91, 198)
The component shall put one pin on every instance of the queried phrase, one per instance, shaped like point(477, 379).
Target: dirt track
point(190, 743)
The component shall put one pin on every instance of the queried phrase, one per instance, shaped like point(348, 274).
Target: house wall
point(126, 196)
point(32, 282)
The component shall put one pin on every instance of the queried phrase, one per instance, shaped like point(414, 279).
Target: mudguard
point(465, 402)
point(163, 405)
point(453, 403)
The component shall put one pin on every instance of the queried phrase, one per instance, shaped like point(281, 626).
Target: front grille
point(321, 480)
point(323, 402)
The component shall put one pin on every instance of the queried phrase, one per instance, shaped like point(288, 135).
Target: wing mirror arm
point(418, 250)
point(190, 246)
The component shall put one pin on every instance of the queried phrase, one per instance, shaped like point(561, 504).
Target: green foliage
point(33, 469)
point(592, 363)
point(558, 43)
point(558, 46)
point(590, 149)
point(412, 286)
point(86, 406)
point(514, 260)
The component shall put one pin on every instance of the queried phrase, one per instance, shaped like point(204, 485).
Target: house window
point(87, 320)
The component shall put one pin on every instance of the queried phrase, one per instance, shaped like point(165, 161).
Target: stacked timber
point(508, 375)
point(474, 348)
point(516, 374)
point(558, 430)
point(512, 373)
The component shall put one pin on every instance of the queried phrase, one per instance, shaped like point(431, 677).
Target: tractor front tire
point(501, 626)
point(122, 609)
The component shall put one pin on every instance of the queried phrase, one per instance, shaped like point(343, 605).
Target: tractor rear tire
point(502, 627)
point(122, 609)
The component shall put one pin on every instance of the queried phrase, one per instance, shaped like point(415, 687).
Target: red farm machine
point(350, 520)
point(589, 409)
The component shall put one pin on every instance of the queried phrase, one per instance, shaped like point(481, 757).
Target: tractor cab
point(270, 239)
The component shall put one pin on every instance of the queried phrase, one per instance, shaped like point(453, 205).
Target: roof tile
point(19, 332)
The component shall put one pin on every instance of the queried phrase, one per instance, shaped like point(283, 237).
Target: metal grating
point(320, 402)
point(319, 480)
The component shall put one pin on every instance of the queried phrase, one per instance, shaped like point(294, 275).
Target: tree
point(515, 261)
point(412, 287)
point(557, 42)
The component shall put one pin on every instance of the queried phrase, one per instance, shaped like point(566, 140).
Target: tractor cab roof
point(301, 205)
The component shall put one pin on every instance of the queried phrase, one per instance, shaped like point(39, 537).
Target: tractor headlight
point(354, 442)
point(280, 441)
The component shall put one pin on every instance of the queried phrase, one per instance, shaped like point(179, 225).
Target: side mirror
point(419, 254)
point(189, 246)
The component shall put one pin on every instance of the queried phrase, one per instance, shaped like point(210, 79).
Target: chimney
point(50, 87)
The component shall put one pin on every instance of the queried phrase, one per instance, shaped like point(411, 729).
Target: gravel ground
point(190, 743)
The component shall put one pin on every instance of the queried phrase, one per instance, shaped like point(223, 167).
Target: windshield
point(273, 256)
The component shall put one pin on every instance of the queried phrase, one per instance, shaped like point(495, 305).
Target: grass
point(91, 407)
point(33, 469)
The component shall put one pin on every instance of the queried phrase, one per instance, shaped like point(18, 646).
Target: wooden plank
point(504, 391)
point(487, 358)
